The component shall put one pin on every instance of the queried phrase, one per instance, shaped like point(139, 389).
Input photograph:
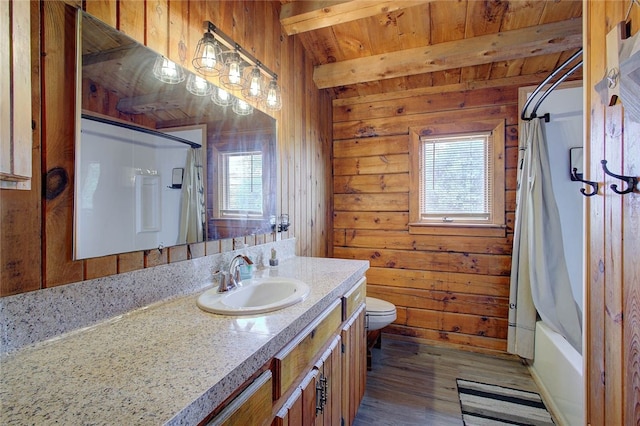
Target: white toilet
point(380, 313)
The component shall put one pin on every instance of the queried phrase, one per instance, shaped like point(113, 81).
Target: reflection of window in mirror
point(240, 184)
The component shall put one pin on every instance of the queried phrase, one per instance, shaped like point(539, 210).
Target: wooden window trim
point(495, 229)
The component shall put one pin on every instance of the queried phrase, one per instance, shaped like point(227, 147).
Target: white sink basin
point(255, 296)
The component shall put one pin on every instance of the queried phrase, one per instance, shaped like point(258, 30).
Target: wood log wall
point(35, 257)
point(448, 289)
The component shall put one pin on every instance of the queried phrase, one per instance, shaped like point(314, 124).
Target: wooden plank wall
point(612, 296)
point(303, 126)
point(447, 289)
point(20, 223)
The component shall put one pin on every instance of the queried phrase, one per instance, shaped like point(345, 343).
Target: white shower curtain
point(192, 216)
point(539, 276)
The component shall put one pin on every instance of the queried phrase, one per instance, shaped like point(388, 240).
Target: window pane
point(241, 184)
point(455, 178)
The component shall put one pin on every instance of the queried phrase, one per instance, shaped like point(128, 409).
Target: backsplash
point(36, 316)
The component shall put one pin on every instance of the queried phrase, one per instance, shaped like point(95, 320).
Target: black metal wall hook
point(631, 180)
point(594, 185)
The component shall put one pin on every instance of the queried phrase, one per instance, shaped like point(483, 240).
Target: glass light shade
point(231, 76)
point(273, 98)
point(253, 88)
point(221, 97)
point(240, 107)
point(198, 85)
point(208, 57)
point(167, 71)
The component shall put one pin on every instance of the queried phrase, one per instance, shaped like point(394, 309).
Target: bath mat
point(484, 404)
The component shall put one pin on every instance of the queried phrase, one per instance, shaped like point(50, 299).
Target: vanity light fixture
point(253, 88)
point(231, 76)
point(273, 99)
point(167, 71)
point(221, 97)
point(208, 58)
point(240, 107)
point(238, 69)
point(198, 85)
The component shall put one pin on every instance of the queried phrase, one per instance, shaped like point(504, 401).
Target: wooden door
point(612, 296)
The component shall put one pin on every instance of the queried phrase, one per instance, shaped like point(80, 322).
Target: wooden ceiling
point(364, 47)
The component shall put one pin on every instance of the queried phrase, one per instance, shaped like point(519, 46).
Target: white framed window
point(240, 184)
point(457, 181)
point(455, 178)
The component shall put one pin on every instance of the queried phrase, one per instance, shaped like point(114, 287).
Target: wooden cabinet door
point(299, 354)
point(291, 411)
point(354, 364)
point(300, 408)
point(309, 398)
point(251, 407)
point(329, 385)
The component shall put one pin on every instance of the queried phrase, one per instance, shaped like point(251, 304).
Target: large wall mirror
point(160, 163)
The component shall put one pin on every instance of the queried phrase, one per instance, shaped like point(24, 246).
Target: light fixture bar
point(231, 44)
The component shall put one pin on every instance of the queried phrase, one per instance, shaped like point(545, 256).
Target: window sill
point(475, 230)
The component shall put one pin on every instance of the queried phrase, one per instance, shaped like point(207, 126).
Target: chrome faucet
point(234, 273)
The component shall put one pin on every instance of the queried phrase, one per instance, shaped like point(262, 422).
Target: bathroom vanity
point(173, 363)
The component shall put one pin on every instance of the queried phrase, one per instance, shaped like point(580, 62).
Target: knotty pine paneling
point(423, 104)
point(370, 220)
point(487, 285)
point(447, 243)
point(612, 295)
point(303, 126)
point(58, 76)
point(449, 289)
point(378, 146)
point(387, 126)
point(371, 183)
point(431, 260)
point(21, 222)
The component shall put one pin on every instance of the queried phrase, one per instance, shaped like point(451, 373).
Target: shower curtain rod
point(551, 88)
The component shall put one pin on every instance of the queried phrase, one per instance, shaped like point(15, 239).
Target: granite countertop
point(167, 363)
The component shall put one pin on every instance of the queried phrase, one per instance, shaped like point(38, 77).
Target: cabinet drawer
point(297, 355)
point(251, 407)
point(354, 298)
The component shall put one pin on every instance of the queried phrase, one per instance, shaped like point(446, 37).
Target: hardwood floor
point(415, 384)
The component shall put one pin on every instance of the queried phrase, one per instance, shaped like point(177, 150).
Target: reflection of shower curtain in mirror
point(192, 200)
point(539, 276)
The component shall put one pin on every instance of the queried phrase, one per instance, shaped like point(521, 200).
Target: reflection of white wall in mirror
point(576, 160)
point(148, 204)
point(124, 201)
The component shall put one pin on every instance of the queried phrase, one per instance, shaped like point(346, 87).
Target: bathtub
point(557, 370)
